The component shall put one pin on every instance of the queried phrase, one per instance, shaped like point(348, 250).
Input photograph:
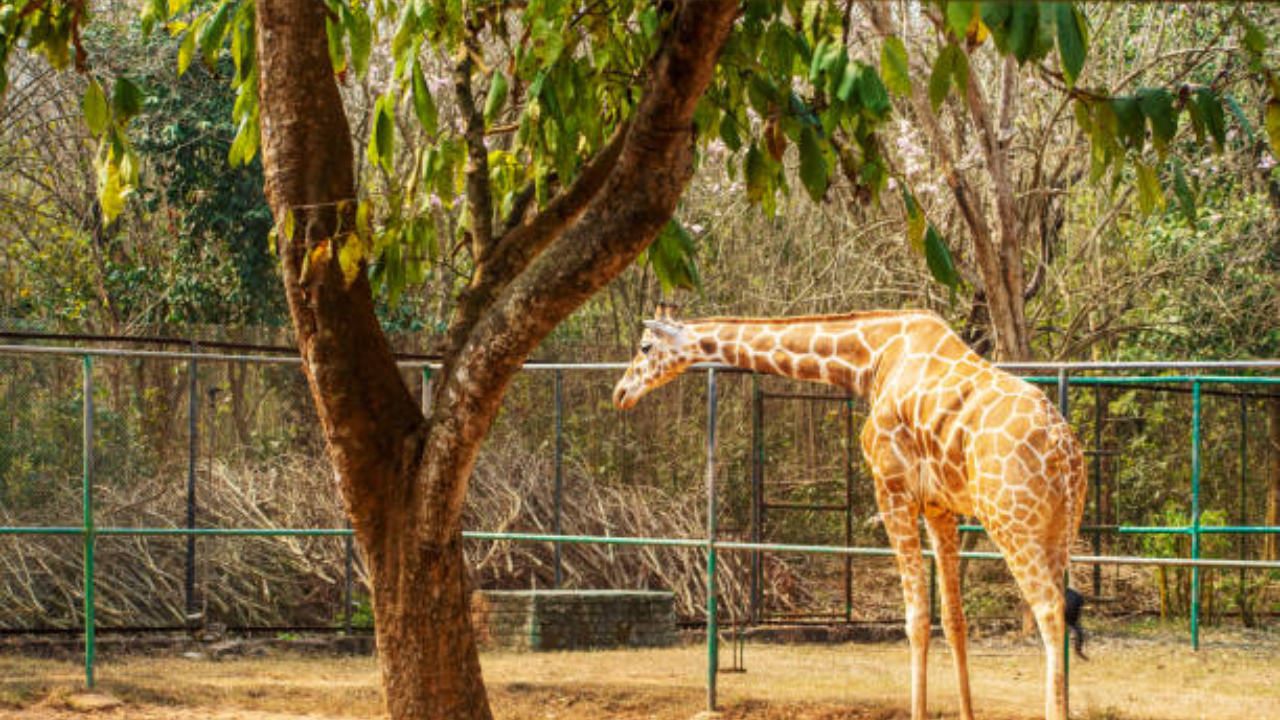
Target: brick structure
point(538, 620)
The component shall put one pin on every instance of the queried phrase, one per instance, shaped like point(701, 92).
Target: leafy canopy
point(552, 80)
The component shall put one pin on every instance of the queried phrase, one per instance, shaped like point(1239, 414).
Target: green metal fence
point(90, 531)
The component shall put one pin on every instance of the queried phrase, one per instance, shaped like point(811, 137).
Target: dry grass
point(1126, 678)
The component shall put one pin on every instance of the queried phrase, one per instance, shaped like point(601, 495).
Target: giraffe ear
point(663, 328)
point(666, 311)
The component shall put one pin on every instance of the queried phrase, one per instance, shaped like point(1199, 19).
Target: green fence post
point(1195, 514)
point(558, 491)
point(1241, 539)
point(89, 535)
point(713, 644)
point(1064, 406)
point(757, 495)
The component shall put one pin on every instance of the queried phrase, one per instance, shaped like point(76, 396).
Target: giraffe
point(947, 434)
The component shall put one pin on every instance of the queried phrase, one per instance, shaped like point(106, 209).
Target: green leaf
point(819, 56)
point(916, 221)
point(959, 14)
point(1150, 194)
point(1253, 39)
point(813, 167)
point(1024, 22)
point(782, 47)
point(337, 54)
point(940, 78)
point(960, 71)
point(1157, 105)
point(497, 97)
point(848, 83)
point(649, 21)
point(187, 50)
point(236, 155)
point(382, 141)
point(1186, 196)
point(950, 68)
point(996, 15)
point(872, 93)
point(1073, 40)
point(1209, 106)
point(95, 108)
point(1273, 125)
point(1130, 125)
point(424, 106)
point(729, 133)
point(938, 257)
point(894, 67)
point(242, 44)
point(1083, 117)
point(126, 100)
point(672, 257)
point(360, 30)
point(213, 32)
point(1242, 119)
point(756, 174)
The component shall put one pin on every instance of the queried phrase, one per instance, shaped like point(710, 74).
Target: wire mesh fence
point(220, 442)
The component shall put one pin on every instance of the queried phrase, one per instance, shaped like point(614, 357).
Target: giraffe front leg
point(941, 525)
point(900, 516)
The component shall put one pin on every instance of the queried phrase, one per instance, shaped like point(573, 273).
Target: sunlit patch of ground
point(1131, 675)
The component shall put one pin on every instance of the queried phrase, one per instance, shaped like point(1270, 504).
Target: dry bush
point(292, 581)
point(511, 491)
point(260, 581)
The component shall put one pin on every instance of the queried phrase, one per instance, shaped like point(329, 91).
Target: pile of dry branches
point(512, 492)
point(240, 581)
point(298, 581)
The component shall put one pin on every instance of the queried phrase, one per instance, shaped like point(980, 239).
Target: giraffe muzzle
point(622, 399)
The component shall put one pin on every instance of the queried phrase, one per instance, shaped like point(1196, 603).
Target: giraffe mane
point(834, 317)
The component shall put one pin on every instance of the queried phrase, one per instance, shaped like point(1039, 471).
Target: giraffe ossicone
point(947, 434)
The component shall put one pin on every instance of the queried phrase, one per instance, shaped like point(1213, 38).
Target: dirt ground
point(1133, 674)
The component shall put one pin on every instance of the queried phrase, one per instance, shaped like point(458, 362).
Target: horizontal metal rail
point(1203, 530)
point(1153, 379)
point(697, 543)
point(814, 507)
point(1274, 364)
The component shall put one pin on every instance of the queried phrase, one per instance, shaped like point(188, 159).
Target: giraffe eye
point(646, 347)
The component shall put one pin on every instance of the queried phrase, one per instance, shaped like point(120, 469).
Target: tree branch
point(623, 217)
point(518, 246)
point(479, 200)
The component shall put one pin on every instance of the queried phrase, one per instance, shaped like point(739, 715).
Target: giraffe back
point(982, 437)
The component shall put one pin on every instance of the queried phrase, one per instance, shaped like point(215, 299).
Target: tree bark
point(403, 477)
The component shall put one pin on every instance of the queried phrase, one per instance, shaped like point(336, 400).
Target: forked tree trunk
point(375, 432)
point(403, 477)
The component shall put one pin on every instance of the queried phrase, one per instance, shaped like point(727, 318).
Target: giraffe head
point(665, 351)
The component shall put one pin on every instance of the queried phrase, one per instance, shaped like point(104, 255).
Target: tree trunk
point(403, 477)
point(1273, 477)
point(374, 430)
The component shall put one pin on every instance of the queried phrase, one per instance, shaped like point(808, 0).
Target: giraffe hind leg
point(1037, 564)
point(945, 537)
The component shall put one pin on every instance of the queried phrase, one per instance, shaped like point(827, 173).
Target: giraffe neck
point(848, 351)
